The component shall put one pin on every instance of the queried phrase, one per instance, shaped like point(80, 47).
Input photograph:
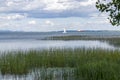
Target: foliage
point(112, 7)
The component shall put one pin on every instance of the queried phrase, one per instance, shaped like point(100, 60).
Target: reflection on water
point(25, 41)
point(44, 74)
point(49, 74)
point(46, 44)
point(114, 43)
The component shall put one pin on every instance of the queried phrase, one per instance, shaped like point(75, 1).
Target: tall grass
point(112, 40)
point(88, 64)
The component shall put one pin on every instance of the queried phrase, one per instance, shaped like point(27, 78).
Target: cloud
point(12, 16)
point(32, 22)
point(10, 3)
point(87, 3)
point(50, 15)
point(48, 22)
point(49, 8)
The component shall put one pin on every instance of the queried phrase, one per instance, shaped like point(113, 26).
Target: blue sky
point(52, 15)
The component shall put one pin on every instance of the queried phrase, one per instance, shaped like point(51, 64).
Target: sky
point(52, 15)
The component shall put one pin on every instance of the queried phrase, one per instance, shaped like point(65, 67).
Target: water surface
point(34, 40)
point(10, 45)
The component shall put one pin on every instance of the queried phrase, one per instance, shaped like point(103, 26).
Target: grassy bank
point(112, 40)
point(88, 64)
point(83, 37)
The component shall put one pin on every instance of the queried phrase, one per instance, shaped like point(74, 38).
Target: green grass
point(88, 64)
point(112, 40)
point(82, 37)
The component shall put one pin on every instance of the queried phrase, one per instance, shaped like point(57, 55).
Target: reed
point(113, 40)
point(88, 64)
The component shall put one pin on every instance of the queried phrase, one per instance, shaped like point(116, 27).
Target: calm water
point(11, 41)
point(42, 74)
point(41, 44)
point(33, 40)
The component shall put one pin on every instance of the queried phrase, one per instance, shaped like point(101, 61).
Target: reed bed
point(88, 64)
point(112, 40)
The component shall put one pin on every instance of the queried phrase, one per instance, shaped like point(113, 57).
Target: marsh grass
point(112, 40)
point(88, 64)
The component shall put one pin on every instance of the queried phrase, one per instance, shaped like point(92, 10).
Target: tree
point(112, 7)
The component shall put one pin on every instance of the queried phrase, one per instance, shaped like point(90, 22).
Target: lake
point(13, 45)
point(13, 41)
point(10, 41)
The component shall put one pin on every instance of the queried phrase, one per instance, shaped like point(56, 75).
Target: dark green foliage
point(112, 7)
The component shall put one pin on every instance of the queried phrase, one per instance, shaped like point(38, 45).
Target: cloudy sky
point(52, 15)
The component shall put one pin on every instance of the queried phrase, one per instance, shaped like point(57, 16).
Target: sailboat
point(64, 31)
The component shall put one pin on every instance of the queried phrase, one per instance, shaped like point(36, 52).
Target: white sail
point(64, 31)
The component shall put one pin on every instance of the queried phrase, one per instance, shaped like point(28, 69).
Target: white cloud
point(9, 3)
point(13, 17)
point(105, 21)
point(34, 4)
point(46, 15)
point(50, 23)
point(33, 22)
point(49, 5)
point(56, 5)
point(87, 3)
point(16, 16)
point(49, 8)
